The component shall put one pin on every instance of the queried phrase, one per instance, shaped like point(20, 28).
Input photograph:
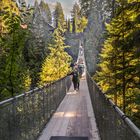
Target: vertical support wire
point(111, 121)
point(24, 116)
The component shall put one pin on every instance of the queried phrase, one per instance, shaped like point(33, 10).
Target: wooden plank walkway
point(74, 116)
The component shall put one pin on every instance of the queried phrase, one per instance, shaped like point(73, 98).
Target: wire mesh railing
point(112, 123)
point(23, 117)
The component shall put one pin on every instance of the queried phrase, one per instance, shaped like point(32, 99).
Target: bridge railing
point(24, 116)
point(112, 123)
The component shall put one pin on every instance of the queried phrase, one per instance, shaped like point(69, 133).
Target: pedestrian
point(81, 69)
point(76, 78)
point(81, 50)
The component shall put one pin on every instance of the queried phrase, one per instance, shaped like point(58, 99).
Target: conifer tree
point(9, 16)
point(76, 11)
point(46, 11)
point(69, 25)
point(13, 36)
point(79, 22)
point(82, 23)
point(119, 66)
point(57, 63)
point(85, 7)
point(74, 25)
point(58, 15)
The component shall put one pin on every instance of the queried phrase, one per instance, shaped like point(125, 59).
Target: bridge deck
point(74, 116)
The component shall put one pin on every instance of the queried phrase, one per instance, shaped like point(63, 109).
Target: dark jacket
point(75, 76)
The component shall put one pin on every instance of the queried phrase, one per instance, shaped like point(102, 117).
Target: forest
point(118, 72)
point(32, 48)
point(32, 51)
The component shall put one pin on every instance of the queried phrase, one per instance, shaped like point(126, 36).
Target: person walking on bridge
point(81, 50)
point(76, 78)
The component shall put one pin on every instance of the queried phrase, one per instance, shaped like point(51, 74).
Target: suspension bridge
point(56, 112)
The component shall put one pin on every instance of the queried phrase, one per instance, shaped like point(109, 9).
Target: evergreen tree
point(57, 64)
point(36, 48)
point(119, 73)
point(69, 25)
point(74, 26)
point(13, 37)
point(59, 15)
point(76, 11)
point(9, 16)
point(85, 7)
point(46, 11)
point(82, 23)
point(79, 22)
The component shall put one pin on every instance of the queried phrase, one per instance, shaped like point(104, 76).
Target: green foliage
point(57, 64)
point(59, 15)
point(74, 25)
point(13, 37)
point(12, 68)
point(69, 25)
point(9, 17)
point(85, 7)
point(79, 22)
point(82, 23)
point(46, 10)
point(36, 47)
point(27, 81)
point(35, 52)
point(119, 73)
point(76, 11)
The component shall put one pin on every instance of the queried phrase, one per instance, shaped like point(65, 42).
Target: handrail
point(117, 119)
point(18, 96)
point(24, 116)
point(132, 126)
point(29, 92)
